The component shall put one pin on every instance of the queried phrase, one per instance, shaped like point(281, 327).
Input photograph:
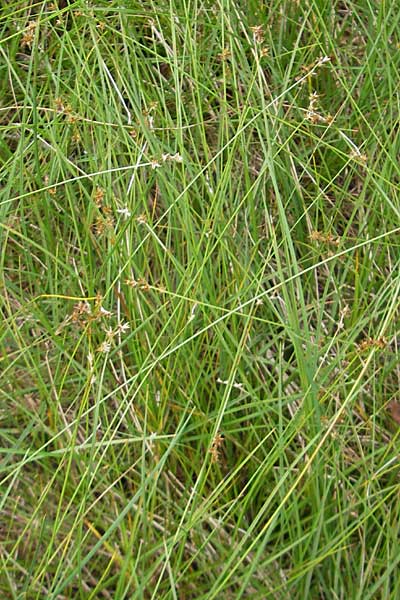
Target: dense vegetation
point(199, 361)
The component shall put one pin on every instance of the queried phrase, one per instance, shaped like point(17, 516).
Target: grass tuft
point(199, 275)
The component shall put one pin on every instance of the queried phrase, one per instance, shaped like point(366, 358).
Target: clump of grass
point(200, 294)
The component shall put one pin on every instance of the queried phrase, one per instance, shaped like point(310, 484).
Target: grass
point(199, 368)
